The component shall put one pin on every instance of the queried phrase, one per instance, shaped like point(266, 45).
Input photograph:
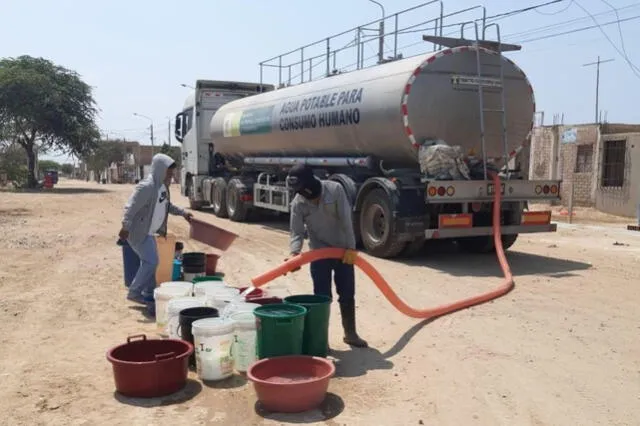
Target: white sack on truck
point(438, 160)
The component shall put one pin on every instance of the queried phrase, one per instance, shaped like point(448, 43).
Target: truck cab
point(201, 165)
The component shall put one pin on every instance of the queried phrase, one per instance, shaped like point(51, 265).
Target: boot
point(348, 314)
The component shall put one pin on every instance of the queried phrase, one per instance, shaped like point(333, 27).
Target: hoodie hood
point(159, 165)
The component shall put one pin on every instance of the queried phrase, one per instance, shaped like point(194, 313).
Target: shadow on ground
point(330, 408)
point(191, 390)
point(446, 257)
point(71, 191)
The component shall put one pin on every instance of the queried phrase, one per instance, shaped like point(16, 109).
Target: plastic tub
point(186, 285)
point(166, 249)
point(190, 276)
point(235, 306)
point(173, 313)
point(150, 368)
point(244, 340)
point(202, 287)
point(211, 263)
point(211, 235)
point(267, 301)
point(162, 295)
point(213, 338)
point(256, 293)
point(291, 384)
point(316, 322)
point(220, 298)
point(280, 329)
point(130, 261)
point(187, 317)
point(216, 277)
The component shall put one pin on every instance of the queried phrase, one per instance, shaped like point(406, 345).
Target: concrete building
point(599, 164)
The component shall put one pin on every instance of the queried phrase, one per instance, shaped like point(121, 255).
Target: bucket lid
point(243, 319)
point(209, 325)
point(170, 292)
point(280, 310)
point(179, 303)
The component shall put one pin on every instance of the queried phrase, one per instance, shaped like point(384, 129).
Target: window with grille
point(584, 159)
point(613, 163)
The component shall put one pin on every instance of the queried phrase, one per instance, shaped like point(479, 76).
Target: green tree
point(14, 163)
point(103, 154)
point(48, 165)
point(67, 169)
point(173, 152)
point(44, 106)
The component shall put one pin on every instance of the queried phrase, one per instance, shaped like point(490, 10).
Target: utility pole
point(597, 64)
point(153, 150)
point(169, 130)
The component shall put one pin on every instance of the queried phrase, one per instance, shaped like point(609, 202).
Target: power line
point(633, 67)
point(576, 30)
point(556, 12)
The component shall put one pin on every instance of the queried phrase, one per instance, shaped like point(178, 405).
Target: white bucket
point(173, 313)
point(179, 284)
point(201, 288)
point(245, 336)
point(235, 306)
point(213, 338)
point(220, 298)
point(188, 276)
point(162, 295)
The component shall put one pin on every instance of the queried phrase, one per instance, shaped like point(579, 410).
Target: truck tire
point(414, 247)
point(236, 208)
point(485, 244)
point(219, 197)
point(376, 225)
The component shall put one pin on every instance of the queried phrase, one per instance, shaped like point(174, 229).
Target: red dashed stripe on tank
point(430, 60)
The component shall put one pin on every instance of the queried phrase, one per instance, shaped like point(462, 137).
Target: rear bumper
point(432, 234)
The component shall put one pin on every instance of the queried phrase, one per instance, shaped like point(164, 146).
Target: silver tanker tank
point(383, 111)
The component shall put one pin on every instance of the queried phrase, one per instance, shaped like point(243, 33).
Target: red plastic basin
point(254, 294)
point(291, 384)
point(149, 368)
point(266, 300)
point(211, 235)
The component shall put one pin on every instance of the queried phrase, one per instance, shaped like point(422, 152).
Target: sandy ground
point(561, 349)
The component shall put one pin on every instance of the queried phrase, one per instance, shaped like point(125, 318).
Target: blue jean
point(145, 280)
point(343, 274)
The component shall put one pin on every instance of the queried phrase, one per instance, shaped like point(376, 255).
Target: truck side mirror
point(178, 128)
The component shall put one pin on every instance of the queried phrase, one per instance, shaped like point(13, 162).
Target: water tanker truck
point(413, 142)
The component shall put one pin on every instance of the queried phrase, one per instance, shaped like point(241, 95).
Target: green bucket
point(315, 340)
point(207, 278)
point(280, 329)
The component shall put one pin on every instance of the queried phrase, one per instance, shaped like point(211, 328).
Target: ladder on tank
point(498, 47)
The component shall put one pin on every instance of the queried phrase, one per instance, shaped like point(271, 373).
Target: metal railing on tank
point(352, 49)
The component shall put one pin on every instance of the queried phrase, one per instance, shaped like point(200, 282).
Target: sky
point(137, 54)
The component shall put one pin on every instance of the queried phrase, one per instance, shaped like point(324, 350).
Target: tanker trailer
point(411, 141)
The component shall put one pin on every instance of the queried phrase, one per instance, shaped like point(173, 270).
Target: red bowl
point(256, 293)
point(291, 384)
point(150, 368)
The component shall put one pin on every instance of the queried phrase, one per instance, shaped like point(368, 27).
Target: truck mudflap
point(461, 225)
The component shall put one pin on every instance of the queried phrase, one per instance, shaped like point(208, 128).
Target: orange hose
point(385, 288)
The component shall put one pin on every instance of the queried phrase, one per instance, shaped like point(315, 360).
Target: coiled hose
point(385, 288)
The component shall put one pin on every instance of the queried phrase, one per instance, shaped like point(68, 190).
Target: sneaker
point(136, 299)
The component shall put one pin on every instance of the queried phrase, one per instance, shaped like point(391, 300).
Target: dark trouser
point(343, 274)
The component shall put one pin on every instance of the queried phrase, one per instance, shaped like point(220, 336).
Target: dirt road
point(561, 349)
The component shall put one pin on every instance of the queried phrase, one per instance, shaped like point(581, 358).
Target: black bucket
point(193, 259)
point(187, 317)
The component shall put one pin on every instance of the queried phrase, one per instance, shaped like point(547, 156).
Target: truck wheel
point(219, 197)
point(195, 205)
point(237, 209)
point(376, 225)
point(414, 247)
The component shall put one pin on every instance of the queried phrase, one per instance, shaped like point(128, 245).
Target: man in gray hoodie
point(145, 214)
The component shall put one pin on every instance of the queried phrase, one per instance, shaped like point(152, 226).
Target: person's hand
point(188, 216)
point(123, 234)
point(289, 258)
point(349, 257)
